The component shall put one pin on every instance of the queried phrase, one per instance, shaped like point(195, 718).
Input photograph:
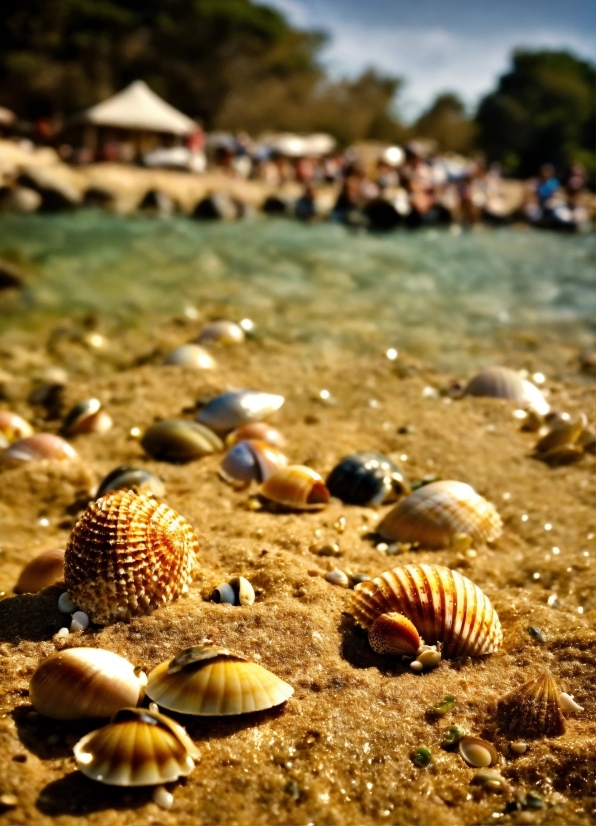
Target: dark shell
point(533, 709)
point(366, 478)
point(178, 440)
point(131, 478)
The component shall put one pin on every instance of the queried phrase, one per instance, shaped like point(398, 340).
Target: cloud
point(430, 59)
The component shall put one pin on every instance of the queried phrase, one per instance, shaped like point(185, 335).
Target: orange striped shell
point(127, 556)
point(443, 605)
point(434, 514)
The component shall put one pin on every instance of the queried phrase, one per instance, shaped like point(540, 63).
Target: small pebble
point(415, 665)
point(162, 797)
point(429, 658)
point(519, 747)
point(9, 800)
point(66, 605)
point(62, 632)
point(326, 549)
point(80, 622)
point(154, 708)
point(337, 577)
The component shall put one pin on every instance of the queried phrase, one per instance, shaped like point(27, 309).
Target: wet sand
point(340, 750)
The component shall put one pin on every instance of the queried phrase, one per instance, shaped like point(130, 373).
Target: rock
point(19, 199)
point(56, 192)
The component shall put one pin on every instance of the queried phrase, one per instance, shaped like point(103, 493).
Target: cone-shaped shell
point(443, 605)
point(296, 487)
point(533, 709)
point(394, 635)
point(41, 572)
point(38, 447)
point(434, 514)
point(13, 427)
point(77, 683)
point(230, 410)
point(208, 680)
point(251, 461)
point(178, 440)
point(127, 556)
point(130, 478)
point(504, 383)
point(138, 748)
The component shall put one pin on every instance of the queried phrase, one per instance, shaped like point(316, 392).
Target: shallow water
point(452, 299)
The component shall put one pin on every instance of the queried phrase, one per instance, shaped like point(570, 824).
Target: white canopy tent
point(140, 109)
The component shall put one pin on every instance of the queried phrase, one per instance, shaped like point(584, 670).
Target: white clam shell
point(85, 682)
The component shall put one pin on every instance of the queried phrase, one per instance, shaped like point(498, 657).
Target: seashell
point(127, 556)
point(38, 447)
point(13, 427)
point(444, 606)
point(80, 621)
point(260, 431)
point(562, 434)
point(230, 410)
point(138, 748)
point(86, 417)
point(434, 514)
point(337, 577)
point(130, 478)
point(480, 754)
point(533, 709)
point(395, 635)
point(65, 604)
point(366, 478)
point(224, 593)
point(296, 487)
point(209, 680)
point(568, 704)
point(251, 461)
point(222, 332)
point(44, 570)
point(177, 440)
point(191, 355)
point(243, 591)
point(504, 383)
point(77, 683)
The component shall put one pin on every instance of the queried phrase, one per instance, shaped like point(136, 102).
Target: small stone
point(326, 549)
point(519, 747)
point(337, 577)
point(66, 605)
point(62, 632)
point(9, 801)
point(415, 665)
point(80, 622)
point(162, 797)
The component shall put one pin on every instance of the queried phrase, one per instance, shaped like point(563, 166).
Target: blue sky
point(440, 45)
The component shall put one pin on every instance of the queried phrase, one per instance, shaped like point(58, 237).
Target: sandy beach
point(340, 750)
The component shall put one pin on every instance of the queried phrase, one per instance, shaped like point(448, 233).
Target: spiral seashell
point(127, 556)
point(38, 447)
point(13, 427)
point(130, 478)
point(260, 431)
point(504, 383)
point(77, 683)
point(44, 570)
point(86, 417)
point(137, 748)
point(366, 478)
point(395, 635)
point(533, 709)
point(177, 440)
point(230, 410)
point(251, 461)
point(209, 680)
point(191, 355)
point(296, 487)
point(222, 332)
point(444, 607)
point(434, 514)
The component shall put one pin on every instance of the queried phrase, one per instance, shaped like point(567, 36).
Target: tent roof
point(137, 107)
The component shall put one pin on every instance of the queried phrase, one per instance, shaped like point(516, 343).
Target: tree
point(542, 111)
point(446, 122)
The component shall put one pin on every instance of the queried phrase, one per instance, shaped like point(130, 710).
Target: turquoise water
point(451, 298)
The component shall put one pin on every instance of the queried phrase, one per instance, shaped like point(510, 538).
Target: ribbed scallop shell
point(208, 680)
point(504, 383)
point(296, 487)
point(533, 709)
point(127, 556)
point(138, 748)
point(41, 572)
point(443, 605)
point(434, 514)
point(85, 682)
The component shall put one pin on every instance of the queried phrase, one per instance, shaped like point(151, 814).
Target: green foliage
point(542, 111)
point(231, 64)
point(446, 122)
